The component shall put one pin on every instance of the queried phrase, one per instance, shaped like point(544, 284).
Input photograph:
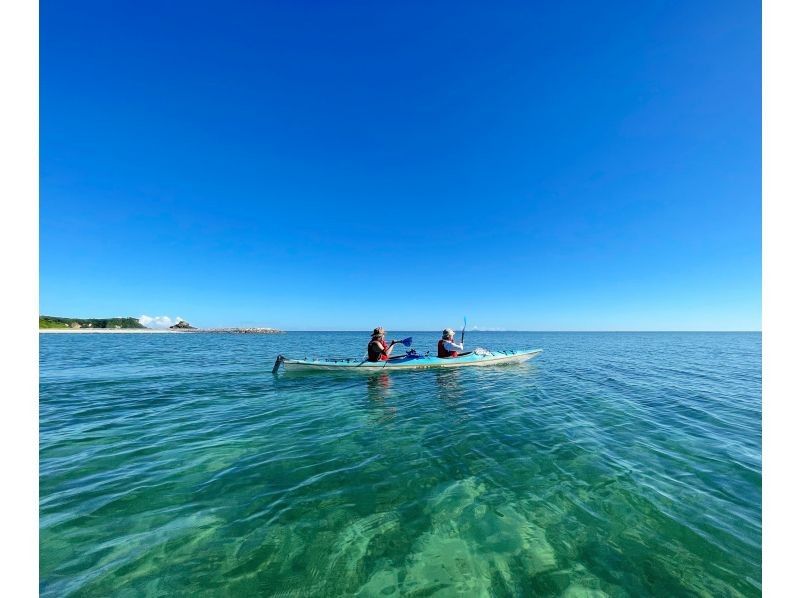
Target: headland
point(128, 325)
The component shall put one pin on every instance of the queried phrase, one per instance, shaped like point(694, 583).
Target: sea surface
point(614, 464)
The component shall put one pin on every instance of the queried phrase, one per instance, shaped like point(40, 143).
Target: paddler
point(378, 349)
point(448, 347)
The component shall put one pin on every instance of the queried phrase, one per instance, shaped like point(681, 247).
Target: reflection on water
point(378, 386)
point(378, 393)
point(448, 388)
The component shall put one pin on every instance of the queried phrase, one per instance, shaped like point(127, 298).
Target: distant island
point(96, 323)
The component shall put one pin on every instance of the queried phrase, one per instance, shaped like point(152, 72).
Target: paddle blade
point(278, 363)
point(407, 341)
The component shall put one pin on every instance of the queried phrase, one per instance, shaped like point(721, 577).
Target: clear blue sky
point(337, 165)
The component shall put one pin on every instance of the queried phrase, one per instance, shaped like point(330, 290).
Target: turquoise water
point(615, 464)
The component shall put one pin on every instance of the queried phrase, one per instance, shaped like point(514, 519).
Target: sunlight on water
point(619, 464)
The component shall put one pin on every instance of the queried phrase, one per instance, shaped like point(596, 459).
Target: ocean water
point(615, 464)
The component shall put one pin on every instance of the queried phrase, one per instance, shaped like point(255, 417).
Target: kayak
point(411, 361)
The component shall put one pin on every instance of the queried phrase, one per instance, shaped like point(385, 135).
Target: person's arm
point(388, 351)
point(453, 346)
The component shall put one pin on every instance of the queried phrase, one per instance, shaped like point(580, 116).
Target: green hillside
point(55, 322)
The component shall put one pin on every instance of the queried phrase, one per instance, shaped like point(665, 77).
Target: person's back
point(447, 347)
point(376, 350)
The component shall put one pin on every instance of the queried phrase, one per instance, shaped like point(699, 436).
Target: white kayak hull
point(488, 358)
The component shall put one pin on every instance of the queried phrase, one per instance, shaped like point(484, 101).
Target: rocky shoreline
point(186, 327)
point(240, 330)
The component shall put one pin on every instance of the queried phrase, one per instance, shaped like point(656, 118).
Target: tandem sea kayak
point(411, 361)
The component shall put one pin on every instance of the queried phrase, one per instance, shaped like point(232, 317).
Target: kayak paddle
point(463, 329)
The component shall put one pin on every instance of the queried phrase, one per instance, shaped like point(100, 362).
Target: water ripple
point(619, 464)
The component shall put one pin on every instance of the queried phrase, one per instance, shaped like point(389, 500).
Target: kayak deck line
point(407, 362)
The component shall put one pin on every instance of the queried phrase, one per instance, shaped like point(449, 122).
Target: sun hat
point(379, 331)
point(448, 332)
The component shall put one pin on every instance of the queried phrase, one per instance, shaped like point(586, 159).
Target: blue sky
point(552, 166)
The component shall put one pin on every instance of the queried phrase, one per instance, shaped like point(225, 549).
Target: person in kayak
point(378, 349)
point(448, 347)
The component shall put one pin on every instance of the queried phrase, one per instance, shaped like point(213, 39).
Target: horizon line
point(514, 330)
